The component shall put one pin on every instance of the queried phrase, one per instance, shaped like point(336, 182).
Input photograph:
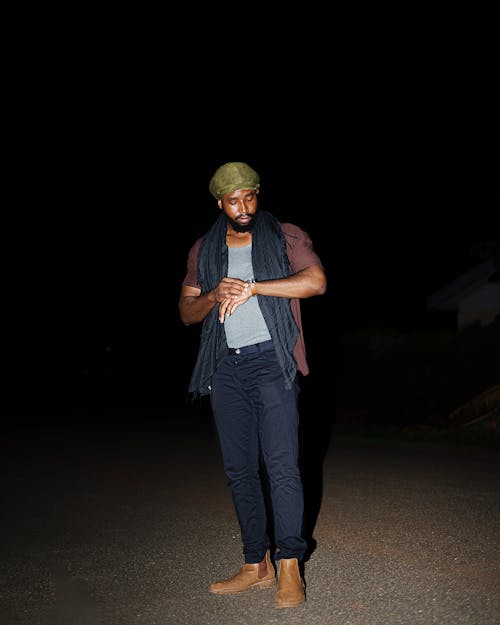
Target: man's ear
point(219, 204)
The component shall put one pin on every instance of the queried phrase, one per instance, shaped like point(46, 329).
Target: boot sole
point(268, 583)
point(289, 604)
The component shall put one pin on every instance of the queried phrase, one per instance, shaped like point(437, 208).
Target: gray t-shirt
point(246, 325)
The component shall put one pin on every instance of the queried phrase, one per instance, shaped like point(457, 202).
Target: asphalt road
point(111, 526)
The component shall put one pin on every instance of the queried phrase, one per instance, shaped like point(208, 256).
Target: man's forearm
point(194, 309)
point(306, 283)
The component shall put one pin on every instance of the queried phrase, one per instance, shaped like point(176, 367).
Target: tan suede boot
point(260, 575)
point(290, 586)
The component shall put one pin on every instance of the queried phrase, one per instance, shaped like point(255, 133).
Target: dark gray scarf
point(270, 262)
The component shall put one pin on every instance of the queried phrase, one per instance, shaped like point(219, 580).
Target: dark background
point(377, 135)
point(91, 331)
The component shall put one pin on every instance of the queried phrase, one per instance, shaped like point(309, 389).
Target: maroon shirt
point(300, 255)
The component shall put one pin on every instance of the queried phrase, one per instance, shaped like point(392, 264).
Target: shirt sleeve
point(299, 248)
point(191, 277)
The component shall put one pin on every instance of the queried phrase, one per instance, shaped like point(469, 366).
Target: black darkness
point(90, 287)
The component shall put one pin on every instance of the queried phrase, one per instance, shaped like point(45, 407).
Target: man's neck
point(237, 239)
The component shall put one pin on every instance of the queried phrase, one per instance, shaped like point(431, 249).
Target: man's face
point(240, 207)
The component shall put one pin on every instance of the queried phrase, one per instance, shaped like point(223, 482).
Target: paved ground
point(103, 527)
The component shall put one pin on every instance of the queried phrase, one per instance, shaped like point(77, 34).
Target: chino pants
point(253, 413)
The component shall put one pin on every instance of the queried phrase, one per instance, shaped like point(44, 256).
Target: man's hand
point(230, 304)
point(230, 288)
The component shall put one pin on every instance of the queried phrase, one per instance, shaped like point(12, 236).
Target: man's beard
point(238, 227)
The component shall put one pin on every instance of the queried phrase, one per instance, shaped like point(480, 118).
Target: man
point(244, 280)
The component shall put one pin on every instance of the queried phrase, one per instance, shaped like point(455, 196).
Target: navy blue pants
point(254, 413)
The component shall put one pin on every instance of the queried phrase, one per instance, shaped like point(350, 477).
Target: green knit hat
point(232, 176)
